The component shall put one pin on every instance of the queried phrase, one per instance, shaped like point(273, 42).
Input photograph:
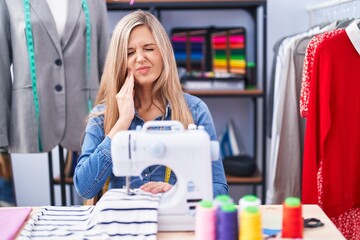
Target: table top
point(272, 219)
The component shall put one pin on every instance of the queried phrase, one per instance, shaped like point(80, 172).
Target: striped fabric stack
point(116, 216)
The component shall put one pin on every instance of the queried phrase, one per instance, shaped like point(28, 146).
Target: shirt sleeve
point(203, 118)
point(94, 165)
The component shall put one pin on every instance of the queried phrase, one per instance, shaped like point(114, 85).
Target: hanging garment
point(309, 66)
point(331, 155)
point(116, 216)
point(270, 100)
point(284, 174)
point(288, 127)
point(61, 74)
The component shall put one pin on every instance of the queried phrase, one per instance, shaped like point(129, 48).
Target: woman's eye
point(149, 49)
point(130, 53)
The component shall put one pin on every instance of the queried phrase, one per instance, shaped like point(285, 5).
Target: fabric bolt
point(331, 153)
point(116, 216)
point(62, 83)
point(98, 166)
point(11, 221)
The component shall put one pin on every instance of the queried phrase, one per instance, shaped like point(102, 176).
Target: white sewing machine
point(187, 152)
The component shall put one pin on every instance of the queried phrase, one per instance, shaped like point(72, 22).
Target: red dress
point(331, 164)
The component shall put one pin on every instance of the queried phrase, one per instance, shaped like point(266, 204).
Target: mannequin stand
point(63, 180)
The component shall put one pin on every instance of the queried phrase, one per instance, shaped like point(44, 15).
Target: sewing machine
point(187, 152)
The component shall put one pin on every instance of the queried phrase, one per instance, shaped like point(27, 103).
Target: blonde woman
point(140, 83)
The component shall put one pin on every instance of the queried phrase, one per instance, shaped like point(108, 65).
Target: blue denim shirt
point(95, 166)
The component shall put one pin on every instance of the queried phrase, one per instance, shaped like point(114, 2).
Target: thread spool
point(205, 220)
point(219, 201)
point(250, 228)
point(222, 199)
point(292, 222)
point(249, 200)
point(250, 75)
point(227, 222)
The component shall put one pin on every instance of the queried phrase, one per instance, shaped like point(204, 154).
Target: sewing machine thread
point(248, 200)
point(250, 223)
point(227, 222)
point(292, 223)
point(222, 199)
point(205, 221)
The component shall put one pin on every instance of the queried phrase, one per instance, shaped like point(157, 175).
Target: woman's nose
point(140, 57)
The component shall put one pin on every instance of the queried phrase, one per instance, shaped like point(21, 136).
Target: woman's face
point(144, 58)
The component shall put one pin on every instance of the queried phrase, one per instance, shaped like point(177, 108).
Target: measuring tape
point(167, 174)
point(32, 67)
point(85, 7)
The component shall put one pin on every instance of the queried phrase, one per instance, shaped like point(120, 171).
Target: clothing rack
point(333, 10)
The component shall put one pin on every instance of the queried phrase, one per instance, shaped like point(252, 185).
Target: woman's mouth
point(143, 70)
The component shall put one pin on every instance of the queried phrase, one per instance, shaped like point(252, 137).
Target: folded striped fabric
point(117, 216)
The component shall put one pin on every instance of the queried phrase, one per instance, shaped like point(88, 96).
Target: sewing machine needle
point(127, 184)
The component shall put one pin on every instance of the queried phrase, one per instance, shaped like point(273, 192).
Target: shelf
point(235, 180)
point(257, 10)
point(177, 1)
point(184, 4)
point(186, 1)
point(225, 92)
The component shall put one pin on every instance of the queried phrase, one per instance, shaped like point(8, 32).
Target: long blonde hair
point(167, 86)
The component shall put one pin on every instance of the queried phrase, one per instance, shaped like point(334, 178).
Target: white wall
point(284, 18)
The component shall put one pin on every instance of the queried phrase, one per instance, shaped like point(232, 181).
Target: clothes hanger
point(344, 23)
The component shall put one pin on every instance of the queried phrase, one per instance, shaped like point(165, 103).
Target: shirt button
point(58, 88)
point(58, 62)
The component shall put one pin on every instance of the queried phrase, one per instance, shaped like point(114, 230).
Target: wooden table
point(272, 218)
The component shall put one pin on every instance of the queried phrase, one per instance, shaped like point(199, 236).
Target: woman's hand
point(126, 107)
point(125, 99)
point(156, 187)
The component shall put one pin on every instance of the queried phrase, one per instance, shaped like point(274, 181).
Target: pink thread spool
point(292, 223)
point(205, 221)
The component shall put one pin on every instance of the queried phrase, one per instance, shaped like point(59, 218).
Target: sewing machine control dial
point(157, 149)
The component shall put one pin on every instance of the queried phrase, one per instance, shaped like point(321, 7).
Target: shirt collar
point(167, 112)
point(353, 33)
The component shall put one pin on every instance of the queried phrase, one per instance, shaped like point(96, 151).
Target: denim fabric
point(95, 165)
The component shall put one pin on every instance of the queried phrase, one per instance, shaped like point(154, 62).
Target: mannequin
point(67, 76)
point(59, 12)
